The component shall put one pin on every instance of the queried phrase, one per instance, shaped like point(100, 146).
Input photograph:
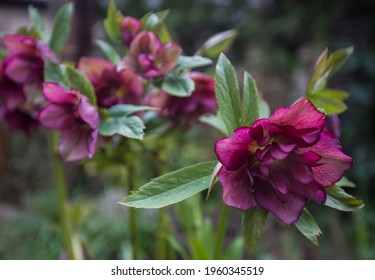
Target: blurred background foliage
point(278, 43)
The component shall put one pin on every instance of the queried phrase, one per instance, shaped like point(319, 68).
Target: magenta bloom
point(130, 27)
point(186, 110)
point(111, 86)
point(281, 162)
point(150, 58)
point(77, 120)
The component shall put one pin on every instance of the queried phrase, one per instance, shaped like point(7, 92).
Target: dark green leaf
point(108, 51)
point(250, 101)
point(178, 85)
point(307, 225)
point(128, 109)
point(228, 94)
point(127, 126)
point(112, 22)
point(215, 121)
point(191, 62)
point(338, 59)
point(339, 199)
point(79, 81)
point(53, 73)
point(329, 101)
point(36, 21)
point(60, 27)
point(172, 187)
point(253, 222)
point(218, 43)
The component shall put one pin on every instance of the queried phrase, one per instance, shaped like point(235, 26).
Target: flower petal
point(88, 112)
point(24, 70)
point(312, 191)
point(56, 117)
point(168, 55)
point(54, 93)
point(94, 67)
point(19, 44)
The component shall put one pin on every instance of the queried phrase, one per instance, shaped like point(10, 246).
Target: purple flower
point(130, 27)
point(281, 162)
point(77, 120)
point(186, 110)
point(150, 58)
point(111, 86)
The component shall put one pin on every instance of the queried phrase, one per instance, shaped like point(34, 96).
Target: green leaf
point(191, 62)
point(53, 73)
point(218, 43)
point(214, 121)
point(172, 187)
point(250, 101)
point(338, 59)
point(178, 85)
point(320, 74)
point(127, 126)
point(339, 199)
point(60, 27)
point(307, 225)
point(3, 53)
point(214, 178)
point(253, 222)
point(329, 101)
point(345, 182)
point(228, 94)
point(108, 51)
point(128, 109)
point(36, 21)
point(79, 81)
point(264, 109)
point(112, 22)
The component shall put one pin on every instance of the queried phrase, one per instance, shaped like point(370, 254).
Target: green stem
point(161, 247)
point(65, 223)
point(221, 232)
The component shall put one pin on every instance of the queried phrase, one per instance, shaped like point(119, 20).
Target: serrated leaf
point(338, 59)
point(250, 101)
point(36, 21)
point(228, 94)
point(330, 101)
point(191, 62)
point(79, 81)
point(214, 121)
point(218, 43)
point(339, 199)
point(127, 126)
point(307, 225)
point(60, 27)
point(53, 73)
point(108, 51)
point(112, 22)
point(253, 222)
point(178, 85)
point(172, 187)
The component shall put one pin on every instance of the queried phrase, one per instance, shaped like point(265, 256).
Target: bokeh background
point(278, 43)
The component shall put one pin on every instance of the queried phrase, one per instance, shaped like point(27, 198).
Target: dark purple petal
point(94, 68)
point(22, 71)
point(145, 42)
point(311, 190)
point(88, 112)
point(56, 117)
point(168, 55)
point(237, 188)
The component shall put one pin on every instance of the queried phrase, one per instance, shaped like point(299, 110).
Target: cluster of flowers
point(134, 80)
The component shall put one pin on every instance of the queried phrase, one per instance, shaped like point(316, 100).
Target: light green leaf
point(215, 121)
point(60, 27)
point(127, 126)
point(218, 43)
point(339, 199)
point(191, 62)
point(307, 225)
point(108, 51)
point(128, 109)
point(228, 94)
point(79, 81)
point(338, 59)
point(112, 22)
point(330, 101)
point(53, 73)
point(264, 109)
point(155, 22)
point(178, 85)
point(250, 101)
point(253, 222)
point(3, 53)
point(345, 182)
point(214, 178)
point(36, 21)
point(172, 187)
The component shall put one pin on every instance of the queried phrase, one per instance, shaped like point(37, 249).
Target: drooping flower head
point(111, 86)
point(130, 27)
point(75, 117)
point(281, 162)
point(187, 110)
point(150, 58)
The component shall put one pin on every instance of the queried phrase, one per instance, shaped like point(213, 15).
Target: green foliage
point(178, 85)
point(112, 22)
point(60, 27)
point(250, 101)
point(307, 225)
point(109, 51)
point(214, 121)
point(155, 22)
point(218, 43)
point(3, 53)
point(54, 73)
point(330, 101)
point(36, 21)
point(339, 199)
point(191, 62)
point(172, 187)
point(253, 222)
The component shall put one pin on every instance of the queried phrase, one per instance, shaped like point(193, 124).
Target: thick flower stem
point(65, 224)
point(224, 215)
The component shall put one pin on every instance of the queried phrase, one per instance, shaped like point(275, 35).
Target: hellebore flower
point(150, 58)
point(77, 120)
point(111, 86)
point(281, 162)
point(26, 56)
point(186, 110)
point(130, 27)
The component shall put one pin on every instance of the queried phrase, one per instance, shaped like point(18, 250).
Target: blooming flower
point(130, 27)
point(111, 86)
point(186, 110)
point(281, 162)
point(77, 120)
point(150, 58)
